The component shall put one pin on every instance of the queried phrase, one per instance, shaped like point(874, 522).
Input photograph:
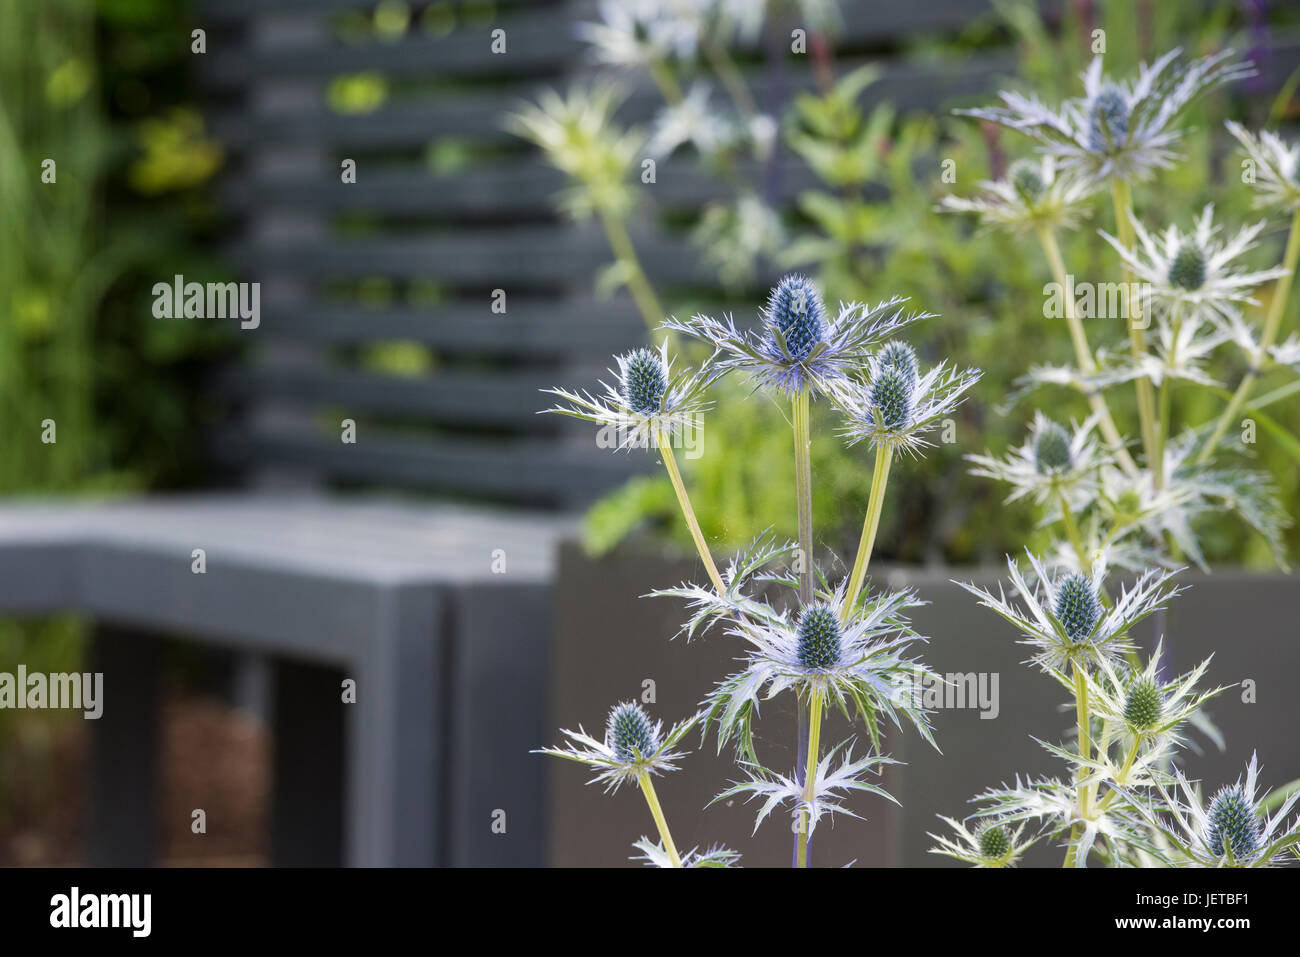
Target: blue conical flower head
point(994, 841)
point(1187, 271)
point(795, 307)
point(1111, 109)
point(631, 733)
point(819, 637)
point(1142, 706)
point(1077, 608)
point(1027, 177)
point(644, 382)
point(897, 354)
point(1233, 825)
point(1052, 449)
point(891, 396)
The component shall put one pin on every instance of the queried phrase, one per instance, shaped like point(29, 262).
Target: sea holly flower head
point(1118, 129)
point(1051, 462)
point(896, 407)
point(1033, 195)
point(798, 346)
point(859, 659)
point(1062, 618)
point(633, 745)
point(641, 33)
point(1234, 830)
point(1275, 165)
point(992, 843)
point(1194, 273)
point(1143, 705)
point(646, 401)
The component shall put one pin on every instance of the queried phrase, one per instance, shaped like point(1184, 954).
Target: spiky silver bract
point(895, 409)
point(1194, 272)
point(1049, 464)
point(646, 401)
point(989, 844)
point(1033, 195)
point(1241, 827)
point(621, 756)
point(1118, 129)
point(1275, 167)
point(654, 854)
point(829, 788)
point(820, 364)
point(1059, 641)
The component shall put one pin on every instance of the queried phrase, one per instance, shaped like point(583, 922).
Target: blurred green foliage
point(870, 231)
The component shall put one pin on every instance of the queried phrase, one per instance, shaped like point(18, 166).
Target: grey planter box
point(607, 642)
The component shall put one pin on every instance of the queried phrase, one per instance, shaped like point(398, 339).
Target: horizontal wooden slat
point(446, 397)
point(528, 470)
point(479, 116)
point(532, 256)
point(525, 187)
point(537, 328)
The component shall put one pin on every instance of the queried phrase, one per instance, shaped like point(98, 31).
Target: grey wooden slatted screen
point(409, 255)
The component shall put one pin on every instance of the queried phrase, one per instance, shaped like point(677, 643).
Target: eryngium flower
point(1032, 196)
point(861, 660)
point(1275, 165)
point(1194, 271)
point(1077, 608)
point(1143, 706)
point(641, 33)
point(895, 408)
point(992, 844)
point(645, 402)
point(1234, 825)
point(633, 746)
point(1235, 831)
point(1049, 464)
point(897, 354)
point(798, 346)
point(630, 732)
point(1117, 130)
point(1061, 618)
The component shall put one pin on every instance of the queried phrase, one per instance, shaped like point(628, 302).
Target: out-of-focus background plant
point(860, 217)
point(96, 119)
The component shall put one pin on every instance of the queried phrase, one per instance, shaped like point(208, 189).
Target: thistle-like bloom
point(1118, 129)
point(634, 745)
point(1064, 619)
point(830, 786)
point(691, 121)
point(1275, 167)
point(862, 661)
point(645, 402)
point(1051, 463)
point(654, 854)
point(640, 33)
point(798, 346)
point(1031, 196)
point(1194, 272)
point(896, 407)
point(990, 844)
point(1141, 707)
point(580, 138)
point(1234, 831)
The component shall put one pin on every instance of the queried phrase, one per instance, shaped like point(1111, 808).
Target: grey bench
point(438, 615)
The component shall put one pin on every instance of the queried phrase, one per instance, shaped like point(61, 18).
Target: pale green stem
point(803, 493)
point(1072, 532)
point(1166, 401)
point(810, 771)
point(688, 513)
point(1122, 195)
point(625, 253)
point(1082, 351)
point(1272, 324)
point(1085, 747)
point(875, 504)
point(652, 799)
